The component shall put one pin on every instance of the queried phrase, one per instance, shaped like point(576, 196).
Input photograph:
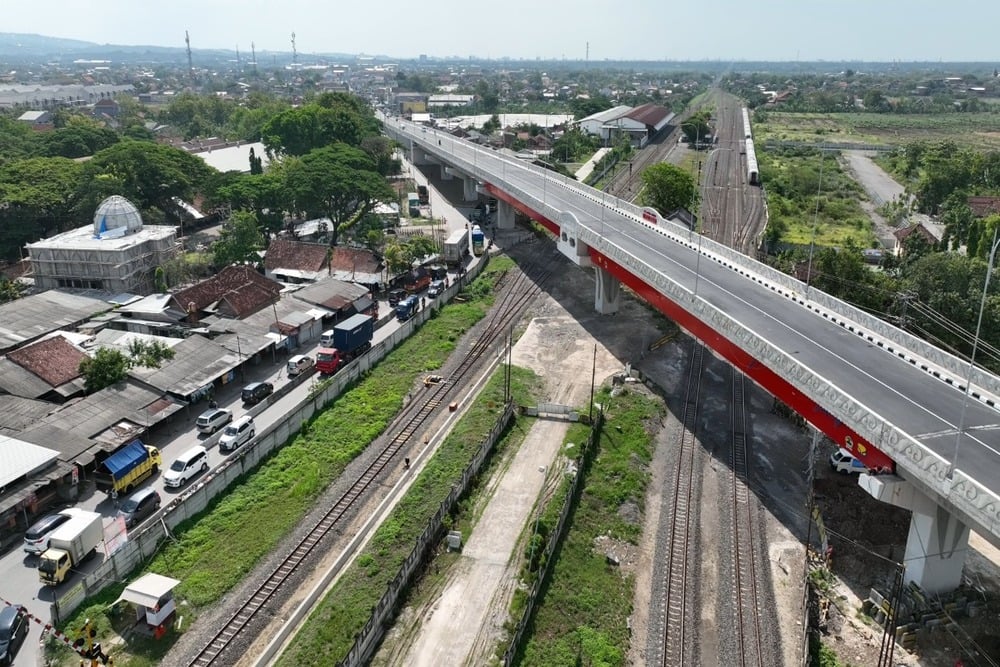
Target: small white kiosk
point(153, 598)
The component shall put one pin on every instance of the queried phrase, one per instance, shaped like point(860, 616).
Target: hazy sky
point(957, 30)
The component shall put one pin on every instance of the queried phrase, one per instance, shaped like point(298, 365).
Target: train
point(746, 124)
point(753, 171)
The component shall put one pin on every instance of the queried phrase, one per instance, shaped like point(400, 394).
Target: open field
point(981, 130)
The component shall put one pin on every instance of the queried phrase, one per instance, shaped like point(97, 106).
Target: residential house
point(235, 292)
point(291, 261)
point(984, 206)
point(902, 234)
point(47, 370)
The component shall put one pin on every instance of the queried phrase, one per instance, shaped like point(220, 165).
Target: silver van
point(239, 432)
point(299, 364)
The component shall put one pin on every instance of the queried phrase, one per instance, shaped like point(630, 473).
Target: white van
point(843, 461)
point(299, 364)
point(187, 465)
point(326, 340)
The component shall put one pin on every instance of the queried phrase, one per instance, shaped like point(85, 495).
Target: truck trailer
point(423, 195)
point(456, 247)
point(69, 545)
point(351, 338)
point(478, 240)
point(127, 468)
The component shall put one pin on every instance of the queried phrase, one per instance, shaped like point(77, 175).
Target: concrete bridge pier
point(505, 215)
point(607, 292)
point(469, 192)
point(937, 541)
point(446, 173)
point(420, 156)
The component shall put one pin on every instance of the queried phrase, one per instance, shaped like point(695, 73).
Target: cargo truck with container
point(69, 545)
point(348, 339)
point(456, 247)
point(127, 468)
point(413, 204)
point(478, 240)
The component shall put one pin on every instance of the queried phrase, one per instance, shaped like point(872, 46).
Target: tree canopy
point(667, 187)
point(339, 182)
point(334, 117)
point(40, 196)
point(239, 241)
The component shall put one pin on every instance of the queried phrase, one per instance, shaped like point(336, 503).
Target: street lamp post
point(972, 357)
point(812, 242)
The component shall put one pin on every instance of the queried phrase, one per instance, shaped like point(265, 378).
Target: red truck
point(344, 342)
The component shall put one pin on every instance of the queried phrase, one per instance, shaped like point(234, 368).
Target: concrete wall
point(143, 544)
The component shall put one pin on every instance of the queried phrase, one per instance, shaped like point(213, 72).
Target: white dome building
point(117, 254)
point(116, 216)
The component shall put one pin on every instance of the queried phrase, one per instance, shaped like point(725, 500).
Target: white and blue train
point(753, 172)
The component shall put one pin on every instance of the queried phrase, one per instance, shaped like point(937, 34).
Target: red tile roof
point(244, 290)
point(55, 360)
point(289, 254)
point(984, 206)
point(355, 259)
point(648, 114)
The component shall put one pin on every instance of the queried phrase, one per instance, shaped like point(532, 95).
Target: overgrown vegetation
point(328, 634)
point(802, 201)
point(214, 551)
point(581, 618)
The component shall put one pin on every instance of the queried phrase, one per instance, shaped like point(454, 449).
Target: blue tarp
point(125, 459)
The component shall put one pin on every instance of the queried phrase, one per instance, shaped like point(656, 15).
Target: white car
point(239, 432)
point(187, 465)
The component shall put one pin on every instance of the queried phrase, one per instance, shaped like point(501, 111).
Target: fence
point(144, 544)
point(547, 560)
point(371, 635)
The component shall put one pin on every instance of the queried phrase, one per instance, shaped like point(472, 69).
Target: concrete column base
point(505, 215)
point(937, 541)
point(446, 174)
point(607, 292)
point(469, 190)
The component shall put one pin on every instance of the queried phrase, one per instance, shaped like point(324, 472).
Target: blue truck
point(344, 342)
point(478, 240)
point(407, 308)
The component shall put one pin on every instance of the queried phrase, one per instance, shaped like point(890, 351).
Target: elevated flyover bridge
point(896, 402)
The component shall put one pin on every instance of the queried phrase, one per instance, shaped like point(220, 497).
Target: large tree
point(39, 196)
point(265, 195)
point(239, 241)
point(667, 188)
point(149, 175)
point(339, 182)
point(332, 118)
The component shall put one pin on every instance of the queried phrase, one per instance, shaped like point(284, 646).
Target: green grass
point(214, 551)
point(581, 618)
point(792, 179)
point(328, 634)
point(979, 130)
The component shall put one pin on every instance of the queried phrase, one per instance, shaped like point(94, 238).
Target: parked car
point(239, 432)
point(436, 288)
point(213, 419)
point(255, 392)
point(843, 461)
point(36, 540)
point(13, 630)
point(187, 465)
point(139, 505)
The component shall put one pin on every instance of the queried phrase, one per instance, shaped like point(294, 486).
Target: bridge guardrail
point(942, 365)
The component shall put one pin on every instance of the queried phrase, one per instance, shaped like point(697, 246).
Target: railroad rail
point(677, 646)
point(747, 621)
point(524, 286)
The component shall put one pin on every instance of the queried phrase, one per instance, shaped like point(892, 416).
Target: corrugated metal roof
point(649, 114)
point(608, 114)
point(20, 382)
point(17, 413)
point(197, 362)
point(34, 316)
point(19, 458)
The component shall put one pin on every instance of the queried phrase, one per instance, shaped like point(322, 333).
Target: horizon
point(783, 31)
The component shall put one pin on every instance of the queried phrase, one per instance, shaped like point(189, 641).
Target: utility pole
point(295, 54)
point(904, 300)
point(187, 41)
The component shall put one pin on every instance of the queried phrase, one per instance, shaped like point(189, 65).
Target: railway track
point(747, 621)
point(677, 647)
point(518, 290)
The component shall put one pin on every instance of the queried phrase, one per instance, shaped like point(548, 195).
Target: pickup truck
point(843, 461)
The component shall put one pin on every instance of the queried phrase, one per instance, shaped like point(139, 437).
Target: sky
point(772, 30)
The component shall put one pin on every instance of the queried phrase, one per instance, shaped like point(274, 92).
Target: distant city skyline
point(725, 30)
